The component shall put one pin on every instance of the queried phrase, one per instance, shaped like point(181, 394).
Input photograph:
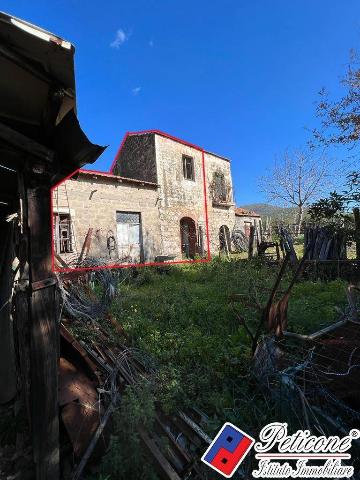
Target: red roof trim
point(96, 173)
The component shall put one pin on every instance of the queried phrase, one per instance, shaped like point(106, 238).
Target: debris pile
point(315, 379)
point(96, 369)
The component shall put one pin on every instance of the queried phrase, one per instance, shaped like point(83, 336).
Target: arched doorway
point(188, 237)
point(225, 239)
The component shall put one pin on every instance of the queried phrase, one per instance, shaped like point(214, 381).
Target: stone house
point(244, 219)
point(164, 199)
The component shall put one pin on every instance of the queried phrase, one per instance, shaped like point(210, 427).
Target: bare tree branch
point(297, 179)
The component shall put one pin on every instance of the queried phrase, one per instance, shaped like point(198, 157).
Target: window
point(188, 167)
point(220, 187)
point(63, 233)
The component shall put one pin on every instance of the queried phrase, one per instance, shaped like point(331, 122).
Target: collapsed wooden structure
point(41, 142)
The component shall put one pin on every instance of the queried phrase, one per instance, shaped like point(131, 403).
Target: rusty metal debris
point(84, 410)
point(93, 375)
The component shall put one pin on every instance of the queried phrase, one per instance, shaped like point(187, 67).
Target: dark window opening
point(63, 233)
point(188, 237)
point(188, 167)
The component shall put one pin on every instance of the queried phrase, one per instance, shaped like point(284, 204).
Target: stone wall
point(93, 204)
point(179, 197)
point(137, 158)
point(95, 199)
point(241, 220)
point(185, 198)
point(219, 213)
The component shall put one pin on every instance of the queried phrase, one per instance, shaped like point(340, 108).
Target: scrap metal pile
point(315, 379)
point(94, 373)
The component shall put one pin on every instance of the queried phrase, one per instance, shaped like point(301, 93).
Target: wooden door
point(129, 236)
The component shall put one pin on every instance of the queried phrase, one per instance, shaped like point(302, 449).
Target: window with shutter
point(188, 167)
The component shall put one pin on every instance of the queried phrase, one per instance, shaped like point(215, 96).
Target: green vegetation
point(183, 318)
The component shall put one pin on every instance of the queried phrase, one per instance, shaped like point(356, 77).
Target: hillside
point(276, 213)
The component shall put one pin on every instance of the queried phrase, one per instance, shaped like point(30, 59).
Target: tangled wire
point(88, 296)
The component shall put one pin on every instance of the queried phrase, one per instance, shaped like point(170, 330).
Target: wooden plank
point(165, 469)
point(185, 458)
point(25, 144)
point(86, 246)
point(200, 432)
point(61, 261)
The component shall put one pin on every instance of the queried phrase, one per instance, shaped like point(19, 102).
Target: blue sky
point(237, 77)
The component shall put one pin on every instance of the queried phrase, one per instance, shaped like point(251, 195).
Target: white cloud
point(151, 43)
point(135, 91)
point(120, 38)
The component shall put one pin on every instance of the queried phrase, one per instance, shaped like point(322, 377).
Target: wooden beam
point(25, 144)
point(251, 242)
point(44, 338)
point(23, 63)
point(164, 467)
point(86, 246)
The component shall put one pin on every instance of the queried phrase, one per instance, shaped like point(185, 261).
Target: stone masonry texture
point(94, 200)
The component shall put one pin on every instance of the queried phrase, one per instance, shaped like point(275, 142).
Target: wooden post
point(86, 246)
point(21, 299)
point(357, 231)
point(227, 249)
point(260, 232)
point(7, 352)
point(251, 242)
point(44, 337)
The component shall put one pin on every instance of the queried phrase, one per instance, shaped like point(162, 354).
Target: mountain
point(284, 214)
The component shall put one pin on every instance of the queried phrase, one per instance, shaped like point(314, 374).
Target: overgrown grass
point(183, 318)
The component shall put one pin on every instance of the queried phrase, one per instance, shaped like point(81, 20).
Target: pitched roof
point(242, 212)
